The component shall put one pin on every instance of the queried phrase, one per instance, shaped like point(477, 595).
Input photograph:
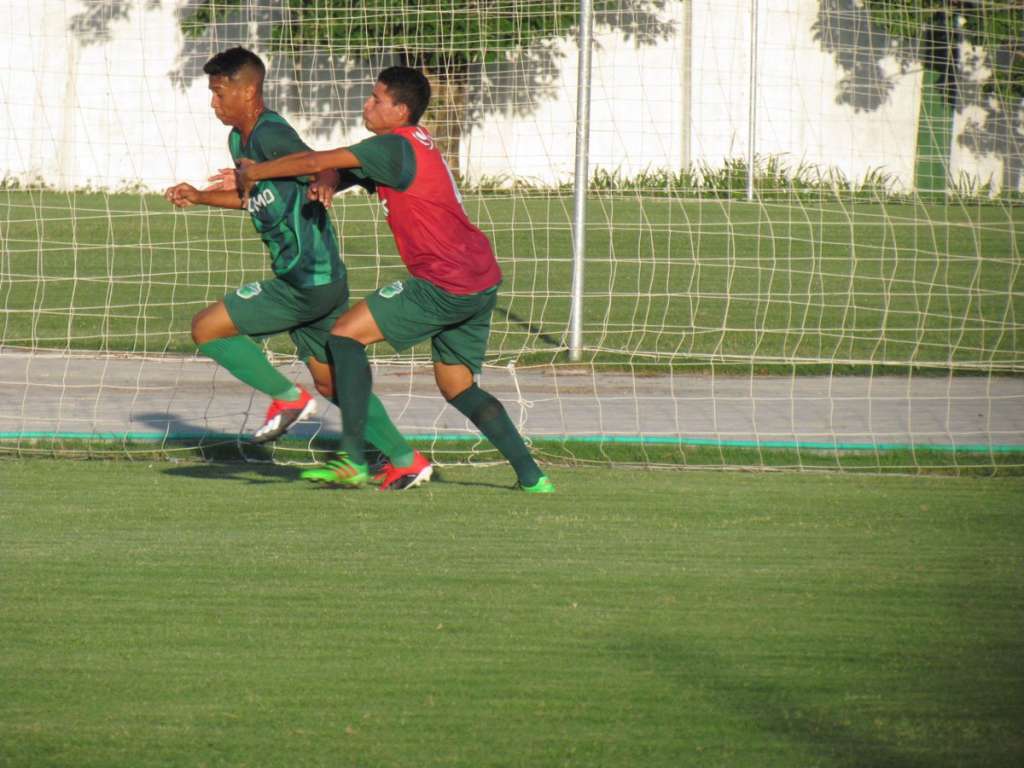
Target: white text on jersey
point(261, 201)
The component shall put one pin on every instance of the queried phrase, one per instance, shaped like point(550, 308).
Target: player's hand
point(182, 195)
point(243, 184)
point(222, 181)
point(323, 187)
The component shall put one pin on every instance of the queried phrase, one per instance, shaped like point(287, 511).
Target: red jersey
point(435, 238)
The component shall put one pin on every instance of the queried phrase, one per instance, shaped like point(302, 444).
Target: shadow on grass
point(249, 473)
point(515, 318)
point(827, 730)
point(264, 472)
point(444, 478)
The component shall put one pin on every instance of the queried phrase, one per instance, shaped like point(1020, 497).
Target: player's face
point(381, 113)
point(227, 99)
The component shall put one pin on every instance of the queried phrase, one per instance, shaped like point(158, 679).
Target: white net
point(804, 224)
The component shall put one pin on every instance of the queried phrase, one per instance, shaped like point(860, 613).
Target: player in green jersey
point(453, 285)
point(309, 290)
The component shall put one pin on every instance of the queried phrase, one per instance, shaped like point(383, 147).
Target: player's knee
point(452, 381)
point(451, 390)
point(207, 326)
point(322, 379)
point(200, 335)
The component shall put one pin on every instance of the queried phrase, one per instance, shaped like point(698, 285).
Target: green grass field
point(224, 614)
point(667, 281)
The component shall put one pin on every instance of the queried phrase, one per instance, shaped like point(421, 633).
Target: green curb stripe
point(592, 439)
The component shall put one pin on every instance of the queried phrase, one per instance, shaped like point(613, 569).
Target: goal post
point(802, 242)
point(581, 178)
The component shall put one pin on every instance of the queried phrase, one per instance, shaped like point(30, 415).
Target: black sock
point(490, 417)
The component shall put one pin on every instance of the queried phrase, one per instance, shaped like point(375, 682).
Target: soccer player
point(450, 294)
point(310, 288)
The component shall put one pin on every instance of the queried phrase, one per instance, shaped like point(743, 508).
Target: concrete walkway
point(51, 394)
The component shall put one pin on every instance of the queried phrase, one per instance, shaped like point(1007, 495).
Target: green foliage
point(443, 36)
point(775, 179)
point(995, 25)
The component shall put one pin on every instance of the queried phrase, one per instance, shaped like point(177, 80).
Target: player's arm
point(322, 188)
point(326, 184)
point(296, 164)
point(185, 195)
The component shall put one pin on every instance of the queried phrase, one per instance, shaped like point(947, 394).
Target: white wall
point(798, 115)
point(638, 118)
point(76, 112)
point(107, 114)
point(103, 114)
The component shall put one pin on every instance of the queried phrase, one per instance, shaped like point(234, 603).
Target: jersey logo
point(423, 138)
point(391, 290)
point(258, 202)
point(249, 290)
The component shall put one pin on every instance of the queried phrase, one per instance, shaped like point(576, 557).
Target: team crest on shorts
point(392, 290)
point(249, 290)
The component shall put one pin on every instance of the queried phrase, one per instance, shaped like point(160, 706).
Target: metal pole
point(582, 178)
point(752, 106)
point(686, 109)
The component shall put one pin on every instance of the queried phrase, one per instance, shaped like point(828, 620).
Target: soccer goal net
point(803, 239)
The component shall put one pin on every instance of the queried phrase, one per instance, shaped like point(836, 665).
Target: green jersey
point(297, 231)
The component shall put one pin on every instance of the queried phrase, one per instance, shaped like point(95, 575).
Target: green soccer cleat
point(544, 485)
point(341, 471)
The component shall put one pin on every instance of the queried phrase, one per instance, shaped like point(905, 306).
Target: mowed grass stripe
point(229, 615)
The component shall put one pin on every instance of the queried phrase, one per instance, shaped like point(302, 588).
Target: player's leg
point(458, 352)
point(353, 380)
point(392, 313)
point(263, 309)
point(350, 335)
point(323, 382)
point(218, 337)
point(311, 342)
point(404, 467)
point(489, 416)
point(353, 384)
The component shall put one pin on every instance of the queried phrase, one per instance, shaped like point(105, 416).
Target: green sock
point(243, 359)
point(382, 434)
point(492, 420)
point(381, 431)
point(352, 387)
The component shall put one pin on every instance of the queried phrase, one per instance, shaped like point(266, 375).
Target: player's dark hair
point(407, 86)
point(231, 62)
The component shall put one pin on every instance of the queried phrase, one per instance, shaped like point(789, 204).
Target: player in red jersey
point(453, 284)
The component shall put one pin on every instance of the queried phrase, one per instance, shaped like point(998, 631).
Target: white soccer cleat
point(282, 414)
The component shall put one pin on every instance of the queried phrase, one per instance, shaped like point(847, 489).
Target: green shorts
point(274, 306)
point(412, 310)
